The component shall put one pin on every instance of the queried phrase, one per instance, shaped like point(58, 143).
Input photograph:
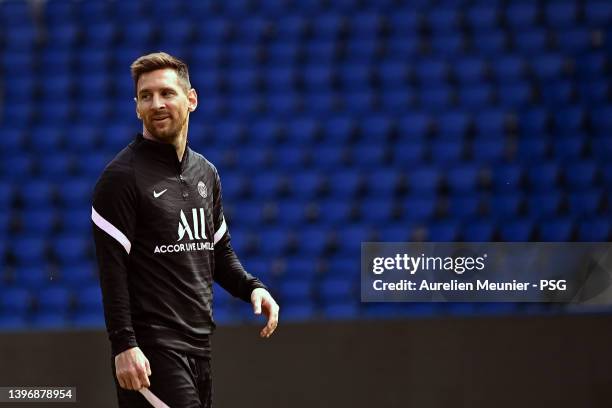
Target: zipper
point(183, 183)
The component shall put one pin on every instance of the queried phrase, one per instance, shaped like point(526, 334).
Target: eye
point(168, 93)
point(145, 97)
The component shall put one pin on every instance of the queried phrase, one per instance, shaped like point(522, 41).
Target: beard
point(168, 129)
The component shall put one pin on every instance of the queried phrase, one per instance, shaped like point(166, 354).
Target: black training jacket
point(161, 239)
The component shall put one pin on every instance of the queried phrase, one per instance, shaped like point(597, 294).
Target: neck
point(179, 141)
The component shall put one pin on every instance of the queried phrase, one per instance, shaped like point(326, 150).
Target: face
point(163, 105)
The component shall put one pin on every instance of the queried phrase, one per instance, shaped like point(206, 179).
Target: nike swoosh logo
point(156, 194)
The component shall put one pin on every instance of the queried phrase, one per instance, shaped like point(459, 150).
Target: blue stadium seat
point(450, 44)
point(36, 194)
point(11, 321)
point(78, 275)
point(424, 179)
point(561, 14)
point(37, 221)
point(53, 299)
point(85, 319)
point(312, 241)
point(377, 211)
point(493, 42)
point(531, 42)
point(522, 14)
point(63, 36)
point(545, 206)
point(20, 37)
point(334, 289)
point(341, 310)
point(534, 121)
point(598, 12)
point(89, 299)
point(594, 230)
point(16, 301)
point(13, 140)
point(581, 174)
point(443, 231)
point(506, 206)
point(295, 290)
point(514, 93)
point(558, 229)
point(273, 242)
point(516, 230)
point(534, 150)
point(32, 276)
point(585, 203)
point(15, 13)
point(453, 124)
point(481, 16)
point(29, 251)
point(418, 208)
point(414, 125)
point(394, 233)
point(570, 147)
point(298, 312)
point(443, 19)
point(50, 320)
point(301, 266)
point(479, 230)
point(17, 165)
point(544, 175)
point(463, 178)
point(491, 122)
point(575, 39)
point(509, 68)
point(101, 34)
point(6, 196)
point(463, 207)
point(335, 212)
point(476, 96)
point(547, 67)
point(375, 128)
point(346, 183)
point(71, 249)
point(490, 151)
point(46, 139)
point(55, 166)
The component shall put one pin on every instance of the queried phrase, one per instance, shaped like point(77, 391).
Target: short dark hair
point(159, 60)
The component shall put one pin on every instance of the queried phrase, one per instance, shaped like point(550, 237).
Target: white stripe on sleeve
point(111, 230)
point(220, 232)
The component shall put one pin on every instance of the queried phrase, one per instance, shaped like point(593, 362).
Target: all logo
point(202, 189)
point(198, 222)
point(194, 228)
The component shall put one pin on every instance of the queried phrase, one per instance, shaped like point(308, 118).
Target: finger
point(144, 378)
point(121, 381)
point(148, 367)
point(129, 385)
point(257, 305)
point(271, 326)
point(135, 382)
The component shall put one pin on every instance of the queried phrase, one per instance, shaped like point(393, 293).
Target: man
point(161, 239)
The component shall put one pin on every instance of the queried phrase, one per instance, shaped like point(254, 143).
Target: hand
point(261, 299)
point(132, 369)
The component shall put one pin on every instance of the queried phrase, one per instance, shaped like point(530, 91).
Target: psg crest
point(202, 189)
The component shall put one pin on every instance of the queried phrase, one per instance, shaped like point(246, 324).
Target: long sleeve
point(229, 272)
point(113, 216)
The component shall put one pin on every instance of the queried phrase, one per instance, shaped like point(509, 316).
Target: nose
point(158, 101)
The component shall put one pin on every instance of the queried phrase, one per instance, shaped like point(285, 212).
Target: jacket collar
point(163, 152)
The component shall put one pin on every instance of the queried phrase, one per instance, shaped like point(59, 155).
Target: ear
point(137, 113)
point(192, 97)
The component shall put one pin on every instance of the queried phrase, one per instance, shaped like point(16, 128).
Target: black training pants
point(178, 379)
